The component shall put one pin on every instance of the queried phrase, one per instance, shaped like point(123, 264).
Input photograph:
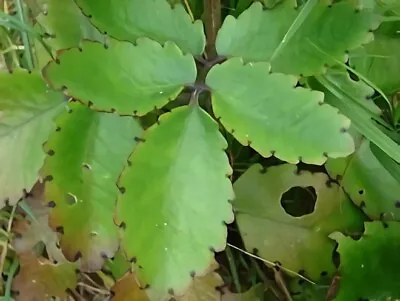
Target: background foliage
point(199, 150)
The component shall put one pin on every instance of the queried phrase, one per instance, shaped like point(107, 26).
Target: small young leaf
point(267, 112)
point(290, 38)
point(26, 112)
point(156, 19)
point(177, 176)
point(87, 153)
point(296, 242)
point(131, 79)
point(117, 266)
point(39, 279)
point(367, 182)
point(368, 266)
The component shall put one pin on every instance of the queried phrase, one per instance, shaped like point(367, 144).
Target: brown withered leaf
point(127, 289)
point(203, 288)
point(39, 279)
point(32, 231)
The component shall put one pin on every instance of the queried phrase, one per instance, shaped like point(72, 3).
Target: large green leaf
point(369, 267)
point(292, 39)
point(266, 111)
point(26, 112)
point(379, 60)
point(87, 153)
point(348, 96)
point(131, 79)
point(175, 201)
point(298, 243)
point(65, 26)
point(155, 19)
point(367, 182)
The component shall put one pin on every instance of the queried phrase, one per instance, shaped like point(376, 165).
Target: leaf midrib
point(31, 119)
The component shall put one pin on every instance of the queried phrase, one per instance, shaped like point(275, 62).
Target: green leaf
point(175, 201)
point(345, 94)
point(369, 266)
point(381, 6)
point(290, 38)
point(304, 291)
point(65, 26)
point(297, 242)
point(267, 112)
point(126, 78)
point(26, 112)
point(388, 163)
point(118, 266)
point(367, 182)
point(379, 61)
point(87, 153)
point(155, 19)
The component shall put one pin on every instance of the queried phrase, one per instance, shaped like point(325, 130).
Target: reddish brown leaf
point(203, 288)
point(38, 278)
point(32, 231)
point(127, 289)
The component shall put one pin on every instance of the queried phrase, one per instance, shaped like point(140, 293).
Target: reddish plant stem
point(212, 20)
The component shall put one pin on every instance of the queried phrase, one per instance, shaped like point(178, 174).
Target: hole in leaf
point(71, 199)
point(299, 201)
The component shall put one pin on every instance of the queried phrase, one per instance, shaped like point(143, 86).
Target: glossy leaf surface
point(266, 111)
point(298, 243)
point(181, 169)
point(155, 19)
point(87, 153)
point(26, 112)
point(296, 41)
point(131, 79)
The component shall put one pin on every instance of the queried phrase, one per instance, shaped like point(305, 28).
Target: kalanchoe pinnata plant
point(134, 104)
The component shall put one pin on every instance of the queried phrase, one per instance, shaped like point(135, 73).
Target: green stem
point(10, 277)
point(233, 269)
point(24, 35)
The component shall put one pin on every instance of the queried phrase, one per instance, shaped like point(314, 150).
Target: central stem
point(212, 20)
